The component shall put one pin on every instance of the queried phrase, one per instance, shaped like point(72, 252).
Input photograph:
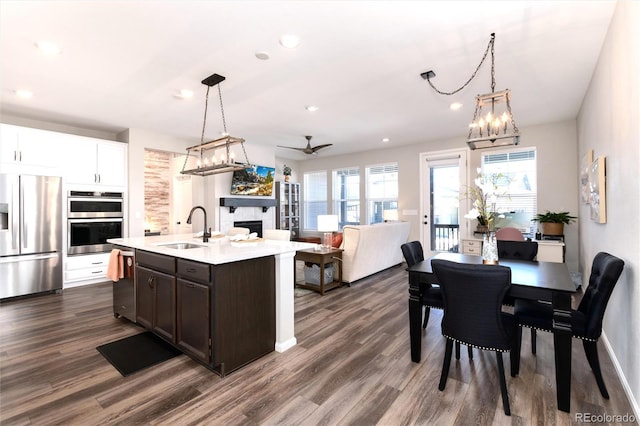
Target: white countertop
point(216, 251)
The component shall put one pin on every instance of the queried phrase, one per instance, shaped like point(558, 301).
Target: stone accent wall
point(157, 190)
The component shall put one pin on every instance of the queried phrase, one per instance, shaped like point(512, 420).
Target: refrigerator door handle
point(24, 257)
point(16, 219)
point(23, 223)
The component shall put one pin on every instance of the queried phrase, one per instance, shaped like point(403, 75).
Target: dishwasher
point(124, 290)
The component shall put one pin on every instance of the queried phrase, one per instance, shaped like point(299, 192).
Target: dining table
point(543, 281)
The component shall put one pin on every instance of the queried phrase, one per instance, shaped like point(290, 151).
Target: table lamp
point(390, 215)
point(327, 223)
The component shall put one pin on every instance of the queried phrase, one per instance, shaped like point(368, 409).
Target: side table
point(322, 258)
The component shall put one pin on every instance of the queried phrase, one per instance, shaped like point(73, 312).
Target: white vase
point(489, 249)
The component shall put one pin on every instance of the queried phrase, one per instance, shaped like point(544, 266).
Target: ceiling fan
point(308, 149)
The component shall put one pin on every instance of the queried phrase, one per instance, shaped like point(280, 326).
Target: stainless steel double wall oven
point(93, 218)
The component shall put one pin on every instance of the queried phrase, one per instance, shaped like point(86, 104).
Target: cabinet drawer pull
point(192, 270)
point(190, 285)
point(97, 263)
point(96, 272)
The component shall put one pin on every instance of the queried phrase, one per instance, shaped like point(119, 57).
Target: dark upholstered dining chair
point(516, 250)
point(586, 321)
point(432, 296)
point(473, 314)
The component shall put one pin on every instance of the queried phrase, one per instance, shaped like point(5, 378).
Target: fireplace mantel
point(233, 203)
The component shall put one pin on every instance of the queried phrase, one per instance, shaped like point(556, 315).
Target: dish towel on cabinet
point(115, 270)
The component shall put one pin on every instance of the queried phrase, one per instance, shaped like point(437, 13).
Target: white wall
point(557, 182)
point(609, 123)
point(138, 140)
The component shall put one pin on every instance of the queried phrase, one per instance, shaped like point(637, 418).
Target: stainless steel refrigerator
point(30, 234)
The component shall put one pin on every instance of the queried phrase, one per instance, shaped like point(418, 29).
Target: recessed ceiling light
point(290, 41)
point(385, 140)
point(185, 94)
point(263, 56)
point(311, 108)
point(455, 106)
point(48, 47)
point(24, 93)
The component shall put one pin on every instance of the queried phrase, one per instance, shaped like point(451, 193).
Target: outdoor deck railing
point(445, 237)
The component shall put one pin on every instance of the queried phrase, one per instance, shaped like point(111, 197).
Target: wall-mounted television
point(257, 180)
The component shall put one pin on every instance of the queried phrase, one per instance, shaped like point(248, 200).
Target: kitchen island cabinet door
point(156, 302)
point(144, 297)
point(194, 334)
point(164, 314)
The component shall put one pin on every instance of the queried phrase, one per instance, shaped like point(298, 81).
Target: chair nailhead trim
point(476, 346)
point(551, 331)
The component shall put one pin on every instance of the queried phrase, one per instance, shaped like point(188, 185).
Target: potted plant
point(286, 171)
point(553, 222)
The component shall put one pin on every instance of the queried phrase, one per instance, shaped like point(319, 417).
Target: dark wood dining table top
point(541, 275)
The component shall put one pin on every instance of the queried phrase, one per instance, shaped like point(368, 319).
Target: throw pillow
point(337, 240)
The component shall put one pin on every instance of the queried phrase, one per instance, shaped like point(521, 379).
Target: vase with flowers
point(485, 196)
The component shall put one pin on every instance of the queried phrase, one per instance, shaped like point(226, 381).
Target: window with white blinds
point(346, 196)
point(520, 205)
point(382, 190)
point(314, 198)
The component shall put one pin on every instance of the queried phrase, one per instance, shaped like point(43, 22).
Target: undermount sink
point(181, 246)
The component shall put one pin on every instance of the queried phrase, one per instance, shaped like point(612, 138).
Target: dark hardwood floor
point(351, 366)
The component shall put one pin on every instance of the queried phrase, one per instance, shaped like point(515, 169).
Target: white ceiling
point(122, 63)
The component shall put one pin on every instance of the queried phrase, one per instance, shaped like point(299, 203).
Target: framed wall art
point(585, 164)
point(597, 193)
point(258, 180)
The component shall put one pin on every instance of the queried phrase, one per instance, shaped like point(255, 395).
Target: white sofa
point(371, 248)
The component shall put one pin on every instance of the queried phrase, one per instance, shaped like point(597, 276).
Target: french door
point(443, 179)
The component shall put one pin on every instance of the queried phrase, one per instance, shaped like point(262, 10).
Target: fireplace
point(257, 213)
point(253, 225)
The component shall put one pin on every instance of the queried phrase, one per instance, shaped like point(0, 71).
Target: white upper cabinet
point(8, 144)
point(112, 163)
point(25, 150)
point(81, 160)
point(97, 162)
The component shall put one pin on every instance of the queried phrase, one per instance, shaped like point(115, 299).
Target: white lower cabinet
point(85, 269)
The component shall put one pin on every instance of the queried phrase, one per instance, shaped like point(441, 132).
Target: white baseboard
point(283, 346)
point(623, 379)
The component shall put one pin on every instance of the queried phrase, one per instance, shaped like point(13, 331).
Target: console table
point(548, 250)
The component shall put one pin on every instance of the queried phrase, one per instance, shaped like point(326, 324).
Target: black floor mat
point(135, 353)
